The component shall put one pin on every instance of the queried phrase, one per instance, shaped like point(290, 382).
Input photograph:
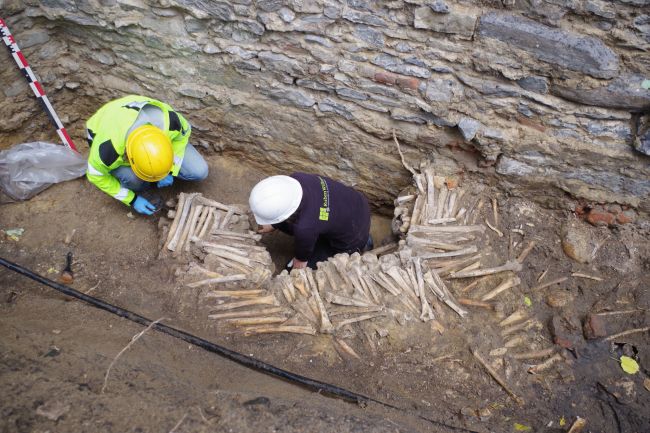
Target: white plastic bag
point(29, 168)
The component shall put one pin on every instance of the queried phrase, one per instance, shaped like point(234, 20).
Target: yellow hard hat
point(150, 153)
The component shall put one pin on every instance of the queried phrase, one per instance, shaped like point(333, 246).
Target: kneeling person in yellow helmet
point(136, 142)
point(324, 216)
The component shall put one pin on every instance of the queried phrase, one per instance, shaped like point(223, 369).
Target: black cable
point(247, 361)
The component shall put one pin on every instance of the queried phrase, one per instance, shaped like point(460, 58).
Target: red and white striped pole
point(18, 56)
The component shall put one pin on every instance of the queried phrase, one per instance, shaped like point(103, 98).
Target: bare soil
point(54, 353)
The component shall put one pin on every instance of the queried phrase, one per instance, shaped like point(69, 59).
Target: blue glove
point(166, 181)
point(142, 205)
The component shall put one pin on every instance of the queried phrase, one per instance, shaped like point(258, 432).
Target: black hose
point(239, 358)
point(247, 361)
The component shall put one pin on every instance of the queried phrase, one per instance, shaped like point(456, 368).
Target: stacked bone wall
point(548, 94)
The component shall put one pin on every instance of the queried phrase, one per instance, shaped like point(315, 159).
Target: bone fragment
point(427, 312)
point(231, 234)
point(207, 223)
point(455, 212)
point(451, 204)
point(218, 280)
point(404, 199)
point(542, 275)
point(384, 249)
point(546, 364)
point(299, 281)
point(200, 222)
point(473, 266)
point(246, 313)
point(550, 283)
point(355, 310)
point(628, 332)
point(515, 341)
point(475, 303)
point(346, 348)
point(226, 219)
point(617, 312)
point(515, 317)
point(462, 252)
point(511, 265)
point(497, 378)
point(528, 324)
point(294, 329)
point(417, 209)
point(495, 213)
point(431, 193)
point(325, 324)
point(381, 279)
point(356, 319)
point(233, 293)
point(534, 354)
point(212, 203)
point(343, 300)
point(177, 217)
point(494, 229)
point(448, 229)
point(526, 251)
point(233, 257)
point(589, 277)
point(247, 321)
point(505, 285)
point(171, 214)
point(578, 425)
point(442, 200)
point(440, 290)
point(470, 286)
point(477, 212)
point(264, 300)
point(441, 220)
point(302, 307)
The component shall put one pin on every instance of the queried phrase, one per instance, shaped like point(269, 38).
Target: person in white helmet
point(324, 216)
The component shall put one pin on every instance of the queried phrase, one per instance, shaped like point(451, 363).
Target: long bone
point(415, 241)
point(234, 293)
point(358, 288)
point(231, 234)
point(382, 280)
point(511, 265)
point(356, 319)
point(431, 193)
point(301, 306)
point(184, 212)
point(451, 204)
point(207, 223)
point(226, 219)
point(246, 313)
point(191, 224)
point(228, 255)
point(218, 280)
point(329, 274)
point(442, 200)
point(448, 229)
point(355, 310)
point(505, 285)
point(455, 212)
point(515, 317)
point(325, 324)
point(299, 282)
point(247, 321)
point(372, 286)
point(523, 326)
point(427, 312)
point(417, 209)
point(440, 290)
point(395, 274)
point(263, 300)
point(212, 203)
point(294, 329)
point(463, 252)
point(344, 300)
point(201, 221)
point(172, 229)
point(340, 262)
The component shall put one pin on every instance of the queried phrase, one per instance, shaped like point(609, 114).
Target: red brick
point(385, 78)
point(625, 217)
point(600, 218)
point(409, 83)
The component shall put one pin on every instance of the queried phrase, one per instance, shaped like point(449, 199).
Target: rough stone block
point(280, 63)
point(469, 127)
point(395, 64)
point(566, 49)
point(534, 84)
point(455, 22)
point(363, 18)
point(372, 37)
point(625, 92)
point(292, 97)
point(329, 106)
point(443, 90)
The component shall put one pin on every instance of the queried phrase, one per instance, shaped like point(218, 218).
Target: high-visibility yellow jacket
point(107, 131)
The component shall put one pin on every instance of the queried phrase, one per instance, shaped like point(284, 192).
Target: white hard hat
point(274, 199)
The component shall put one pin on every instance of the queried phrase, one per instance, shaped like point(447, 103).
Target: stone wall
point(547, 96)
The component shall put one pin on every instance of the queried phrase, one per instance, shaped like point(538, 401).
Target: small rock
point(53, 410)
point(56, 331)
point(382, 332)
point(484, 414)
point(469, 412)
point(439, 6)
point(646, 384)
point(578, 243)
point(558, 298)
point(594, 327)
point(565, 332)
point(130, 215)
point(468, 127)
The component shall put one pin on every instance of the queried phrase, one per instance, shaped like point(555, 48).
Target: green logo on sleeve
point(324, 214)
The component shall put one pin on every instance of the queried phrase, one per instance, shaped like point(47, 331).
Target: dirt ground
point(54, 352)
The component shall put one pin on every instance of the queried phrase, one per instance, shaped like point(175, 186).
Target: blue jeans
point(193, 167)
